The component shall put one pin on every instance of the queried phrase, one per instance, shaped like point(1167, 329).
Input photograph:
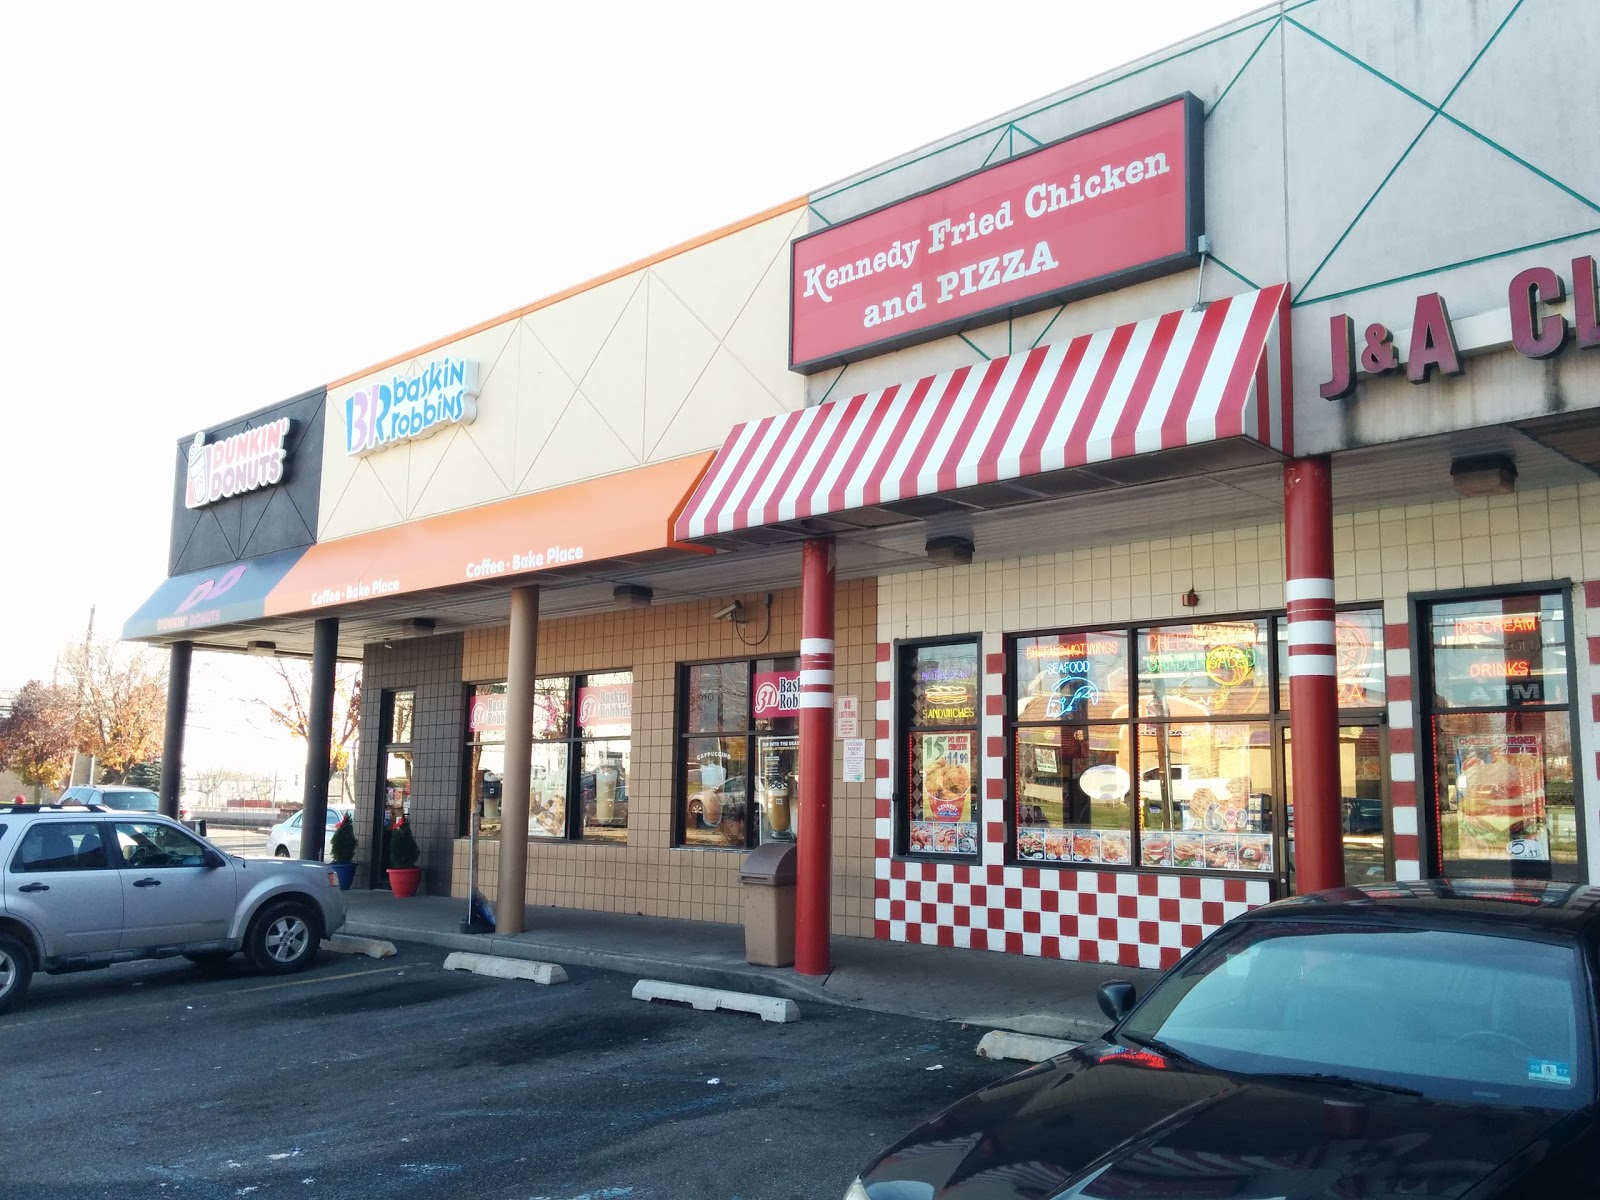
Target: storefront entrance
point(1363, 806)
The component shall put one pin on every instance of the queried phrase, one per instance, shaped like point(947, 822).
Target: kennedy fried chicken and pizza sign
point(1101, 209)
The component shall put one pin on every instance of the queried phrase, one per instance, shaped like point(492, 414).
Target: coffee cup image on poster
point(946, 791)
point(1500, 789)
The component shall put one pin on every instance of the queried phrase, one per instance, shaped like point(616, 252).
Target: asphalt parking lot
point(368, 1078)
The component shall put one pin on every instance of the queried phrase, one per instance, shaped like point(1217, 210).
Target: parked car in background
point(283, 841)
point(121, 798)
point(1433, 1040)
point(81, 890)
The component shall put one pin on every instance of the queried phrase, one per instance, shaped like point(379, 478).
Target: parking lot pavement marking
point(768, 1008)
point(271, 987)
point(497, 967)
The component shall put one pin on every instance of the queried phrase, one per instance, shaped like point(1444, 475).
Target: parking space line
point(271, 987)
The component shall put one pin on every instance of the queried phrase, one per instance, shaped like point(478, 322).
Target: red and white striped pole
point(1313, 673)
point(815, 832)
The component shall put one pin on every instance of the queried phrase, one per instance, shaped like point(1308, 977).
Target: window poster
point(1500, 790)
point(1205, 669)
point(942, 819)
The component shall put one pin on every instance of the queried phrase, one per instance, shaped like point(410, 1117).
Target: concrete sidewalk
point(975, 987)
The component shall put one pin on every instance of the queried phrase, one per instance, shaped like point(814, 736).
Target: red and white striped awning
point(1182, 379)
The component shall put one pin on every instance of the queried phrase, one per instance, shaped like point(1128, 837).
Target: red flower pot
point(403, 880)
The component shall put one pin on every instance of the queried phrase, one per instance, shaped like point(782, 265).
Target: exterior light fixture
point(419, 625)
point(262, 649)
point(1191, 598)
point(1486, 475)
point(949, 551)
point(631, 595)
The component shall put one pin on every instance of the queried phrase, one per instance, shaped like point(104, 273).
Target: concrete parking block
point(1024, 1047)
point(344, 943)
point(768, 1008)
point(497, 967)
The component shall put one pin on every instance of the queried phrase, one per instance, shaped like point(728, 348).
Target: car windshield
point(133, 800)
point(1457, 1016)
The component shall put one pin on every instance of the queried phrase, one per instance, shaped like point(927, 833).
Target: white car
point(284, 839)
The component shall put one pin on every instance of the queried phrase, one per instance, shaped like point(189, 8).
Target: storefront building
point(1151, 502)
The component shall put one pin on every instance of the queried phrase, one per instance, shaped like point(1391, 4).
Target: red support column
point(1313, 672)
point(815, 832)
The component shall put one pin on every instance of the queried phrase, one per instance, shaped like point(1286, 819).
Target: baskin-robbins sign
point(777, 694)
point(1539, 320)
point(239, 463)
point(1101, 209)
point(444, 391)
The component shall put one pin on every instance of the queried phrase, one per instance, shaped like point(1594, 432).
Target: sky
point(215, 207)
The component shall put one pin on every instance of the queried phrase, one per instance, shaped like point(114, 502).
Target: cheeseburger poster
point(1500, 789)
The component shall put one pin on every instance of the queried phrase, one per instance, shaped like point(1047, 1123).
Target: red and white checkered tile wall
point(1130, 918)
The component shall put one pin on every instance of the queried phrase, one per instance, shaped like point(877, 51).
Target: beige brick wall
point(649, 875)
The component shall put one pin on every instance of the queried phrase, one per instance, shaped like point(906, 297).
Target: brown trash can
point(767, 881)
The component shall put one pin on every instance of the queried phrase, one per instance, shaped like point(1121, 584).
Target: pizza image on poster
point(1500, 788)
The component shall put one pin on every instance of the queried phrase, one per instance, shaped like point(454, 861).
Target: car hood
point(1101, 1125)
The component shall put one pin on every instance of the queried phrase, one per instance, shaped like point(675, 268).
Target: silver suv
point(82, 889)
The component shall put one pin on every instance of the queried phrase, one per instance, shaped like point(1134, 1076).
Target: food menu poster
point(1212, 851)
point(1500, 792)
point(1112, 847)
point(946, 776)
point(944, 837)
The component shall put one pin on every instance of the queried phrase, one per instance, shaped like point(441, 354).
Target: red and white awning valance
point(1182, 379)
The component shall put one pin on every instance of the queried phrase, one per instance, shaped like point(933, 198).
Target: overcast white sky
point(213, 207)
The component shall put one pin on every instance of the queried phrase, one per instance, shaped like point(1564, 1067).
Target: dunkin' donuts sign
point(1096, 211)
point(442, 392)
point(234, 465)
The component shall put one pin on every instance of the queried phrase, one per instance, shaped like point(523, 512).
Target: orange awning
point(628, 513)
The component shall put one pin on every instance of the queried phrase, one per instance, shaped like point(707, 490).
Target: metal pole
point(815, 828)
point(512, 885)
point(319, 738)
point(1313, 672)
point(178, 663)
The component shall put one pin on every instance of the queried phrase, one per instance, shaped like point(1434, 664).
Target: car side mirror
point(1116, 999)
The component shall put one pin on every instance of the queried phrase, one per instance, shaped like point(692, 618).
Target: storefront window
point(1205, 795)
point(582, 727)
point(1215, 669)
point(739, 752)
point(940, 693)
point(1070, 771)
point(1363, 674)
point(1504, 794)
point(394, 787)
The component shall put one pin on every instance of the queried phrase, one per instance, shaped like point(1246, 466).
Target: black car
point(1418, 1040)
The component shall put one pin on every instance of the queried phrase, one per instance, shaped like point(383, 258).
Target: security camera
point(730, 612)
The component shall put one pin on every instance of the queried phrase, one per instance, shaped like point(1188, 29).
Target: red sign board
point(777, 694)
point(1098, 210)
point(610, 705)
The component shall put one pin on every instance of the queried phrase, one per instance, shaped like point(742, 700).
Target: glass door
point(1363, 819)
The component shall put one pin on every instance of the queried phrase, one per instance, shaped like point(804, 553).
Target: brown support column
point(511, 893)
point(172, 735)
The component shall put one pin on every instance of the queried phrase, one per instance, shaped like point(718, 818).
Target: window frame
point(751, 736)
point(902, 652)
point(572, 738)
point(1430, 848)
point(1275, 717)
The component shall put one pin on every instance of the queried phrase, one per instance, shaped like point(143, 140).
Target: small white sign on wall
point(847, 717)
point(855, 760)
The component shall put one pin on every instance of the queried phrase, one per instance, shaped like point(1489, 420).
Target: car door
point(173, 891)
point(59, 879)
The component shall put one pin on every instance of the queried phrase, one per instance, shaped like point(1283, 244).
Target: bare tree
point(292, 710)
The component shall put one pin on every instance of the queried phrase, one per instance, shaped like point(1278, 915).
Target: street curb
point(1002, 1043)
point(644, 965)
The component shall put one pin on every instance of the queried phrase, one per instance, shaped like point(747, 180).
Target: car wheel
point(209, 958)
point(280, 852)
point(16, 971)
point(283, 937)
